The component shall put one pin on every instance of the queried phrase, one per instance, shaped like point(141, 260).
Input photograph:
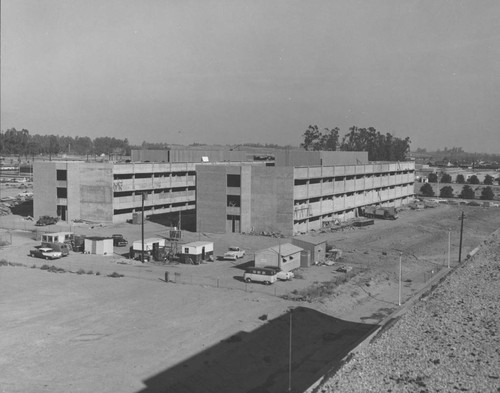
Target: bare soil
point(82, 332)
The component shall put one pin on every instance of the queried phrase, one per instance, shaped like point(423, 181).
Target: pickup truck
point(234, 253)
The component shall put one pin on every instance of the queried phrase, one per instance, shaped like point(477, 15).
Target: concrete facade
point(293, 200)
point(236, 198)
point(107, 192)
point(228, 196)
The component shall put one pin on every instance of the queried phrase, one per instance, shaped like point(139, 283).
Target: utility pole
point(144, 196)
point(461, 234)
point(400, 276)
point(290, 356)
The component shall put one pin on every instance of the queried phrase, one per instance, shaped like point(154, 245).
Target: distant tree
point(446, 178)
point(426, 190)
point(488, 180)
point(460, 179)
point(446, 192)
point(312, 138)
point(498, 180)
point(473, 180)
point(487, 194)
point(467, 193)
point(330, 139)
point(433, 178)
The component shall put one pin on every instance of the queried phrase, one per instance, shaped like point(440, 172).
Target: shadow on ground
point(259, 361)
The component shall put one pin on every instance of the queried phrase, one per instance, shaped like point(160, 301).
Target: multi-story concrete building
point(295, 192)
point(111, 192)
point(294, 199)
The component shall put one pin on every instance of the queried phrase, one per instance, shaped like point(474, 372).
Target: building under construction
point(283, 191)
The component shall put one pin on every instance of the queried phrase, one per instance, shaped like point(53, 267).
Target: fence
point(306, 293)
point(234, 284)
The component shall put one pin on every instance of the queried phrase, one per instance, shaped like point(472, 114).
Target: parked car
point(234, 253)
point(473, 203)
point(57, 246)
point(46, 220)
point(260, 274)
point(281, 274)
point(119, 240)
point(46, 253)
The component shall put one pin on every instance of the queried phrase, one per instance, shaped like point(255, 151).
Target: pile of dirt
point(448, 341)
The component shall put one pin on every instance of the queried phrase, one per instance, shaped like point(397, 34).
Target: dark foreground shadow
point(259, 361)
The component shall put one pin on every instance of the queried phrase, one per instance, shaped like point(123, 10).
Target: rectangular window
point(233, 201)
point(233, 180)
point(62, 174)
point(62, 192)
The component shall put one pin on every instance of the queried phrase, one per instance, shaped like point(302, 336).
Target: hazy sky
point(236, 71)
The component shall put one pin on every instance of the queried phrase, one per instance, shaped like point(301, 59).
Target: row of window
point(156, 191)
point(150, 175)
point(348, 194)
point(155, 207)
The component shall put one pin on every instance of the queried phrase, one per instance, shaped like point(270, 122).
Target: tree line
point(22, 143)
point(466, 193)
point(380, 147)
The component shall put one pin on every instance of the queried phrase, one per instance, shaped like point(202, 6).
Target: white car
point(281, 274)
point(44, 252)
point(234, 253)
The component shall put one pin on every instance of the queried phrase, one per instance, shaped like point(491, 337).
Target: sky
point(259, 71)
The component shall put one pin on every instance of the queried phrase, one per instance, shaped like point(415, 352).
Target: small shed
point(149, 244)
point(289, 254)
point(196, 252)
point(315, 245)
point(98, 245)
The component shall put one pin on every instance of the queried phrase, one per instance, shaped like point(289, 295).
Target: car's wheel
point(248, 280)
point(267, 282)
point(47, 258)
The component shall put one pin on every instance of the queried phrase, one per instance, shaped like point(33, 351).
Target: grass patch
point(115, 275)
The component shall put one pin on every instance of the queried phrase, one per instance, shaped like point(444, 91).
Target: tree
point(498, 180)
point(467, 193)
point(312, 138)
point(379, 147)
point(433, 178)
point(473, 180)
point(487, 194)
point(446, 178)
point(330, 140)
point(426, 190)
point(446, 192)
point(460, 179)
point(488, 180)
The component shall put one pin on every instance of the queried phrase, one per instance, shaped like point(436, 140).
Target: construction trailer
point(98, 245)
point(196, 252)
point(154, 248)
point(58, 237)
point(285, 256)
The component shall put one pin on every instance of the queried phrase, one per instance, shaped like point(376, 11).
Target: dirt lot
point(69, 332)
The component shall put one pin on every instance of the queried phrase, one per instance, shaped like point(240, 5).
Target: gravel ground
point(449, 341)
